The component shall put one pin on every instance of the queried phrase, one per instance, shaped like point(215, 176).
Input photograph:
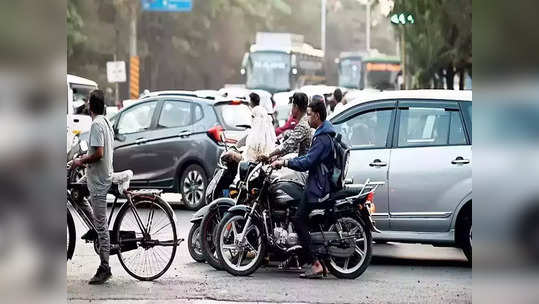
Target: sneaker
point(101, 276)
point(90, 235)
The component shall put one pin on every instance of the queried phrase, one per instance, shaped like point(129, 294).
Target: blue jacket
point(318, 185)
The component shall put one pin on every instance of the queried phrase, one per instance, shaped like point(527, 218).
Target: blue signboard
point(167, 5)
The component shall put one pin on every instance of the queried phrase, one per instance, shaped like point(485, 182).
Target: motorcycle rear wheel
point(341, 267)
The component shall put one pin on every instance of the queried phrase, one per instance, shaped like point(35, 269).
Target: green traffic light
point(402, 19)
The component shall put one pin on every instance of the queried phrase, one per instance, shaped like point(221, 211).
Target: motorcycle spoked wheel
point(237, 260)
point(353, 266)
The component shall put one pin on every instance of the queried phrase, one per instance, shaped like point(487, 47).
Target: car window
point(198, 113)
point(366, 130)
point(234, 115)
point(467, 111)
point(456, 130)
point(175, 114)
point(421, 126)
point(137, 118)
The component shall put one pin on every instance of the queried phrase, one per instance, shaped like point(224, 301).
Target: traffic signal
point(402, 18)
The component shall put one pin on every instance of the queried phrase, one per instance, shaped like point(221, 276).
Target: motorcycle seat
point(344, 193)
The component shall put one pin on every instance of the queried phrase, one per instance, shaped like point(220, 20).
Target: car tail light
point(235, 102)
point(215, 133)
point(369, 203)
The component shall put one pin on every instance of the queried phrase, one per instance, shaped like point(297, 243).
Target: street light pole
point(323, 29)
point(368, 26)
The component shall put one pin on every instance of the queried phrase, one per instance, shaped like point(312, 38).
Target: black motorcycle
point(219, 189)
point(340, 232)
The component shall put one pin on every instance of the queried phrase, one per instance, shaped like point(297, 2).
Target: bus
point(349, 69)
point(380, 72)
point(280, 62)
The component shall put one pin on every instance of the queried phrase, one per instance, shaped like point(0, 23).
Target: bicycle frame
point(90, 225)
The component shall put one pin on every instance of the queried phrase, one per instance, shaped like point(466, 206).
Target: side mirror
point(348, 181)
point(83, 146)
point(118, 137)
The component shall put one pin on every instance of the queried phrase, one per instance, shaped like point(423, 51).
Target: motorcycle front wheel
point(240, 256)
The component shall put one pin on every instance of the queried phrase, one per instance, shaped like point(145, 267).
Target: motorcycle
point(221, 191)
point(340, 230)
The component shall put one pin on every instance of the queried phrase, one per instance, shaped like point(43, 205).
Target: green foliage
point(74, 26)
point(440, 37)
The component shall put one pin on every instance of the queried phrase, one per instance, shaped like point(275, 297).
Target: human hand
point(278, 164)
point(262, 158)
point(77, 162)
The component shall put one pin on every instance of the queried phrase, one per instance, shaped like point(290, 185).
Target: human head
point(255, 99)
point(97, 103)
point(316, 111)
point(337, 94)
point(299, 104)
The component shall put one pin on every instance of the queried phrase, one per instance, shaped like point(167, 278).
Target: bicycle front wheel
point(146, 235)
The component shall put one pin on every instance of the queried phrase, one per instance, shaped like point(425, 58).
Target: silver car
point(420, 143)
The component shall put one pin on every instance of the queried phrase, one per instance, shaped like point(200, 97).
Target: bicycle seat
point(120, 181)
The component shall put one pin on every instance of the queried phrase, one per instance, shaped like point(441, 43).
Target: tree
point(439, 41)
point(74, 26)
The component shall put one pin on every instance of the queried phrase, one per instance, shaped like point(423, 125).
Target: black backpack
point(341, 154)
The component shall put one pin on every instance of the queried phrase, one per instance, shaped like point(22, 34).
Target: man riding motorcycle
point(317, 161)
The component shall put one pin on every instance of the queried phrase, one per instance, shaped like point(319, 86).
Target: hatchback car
point(173, 142)
point(420, 144)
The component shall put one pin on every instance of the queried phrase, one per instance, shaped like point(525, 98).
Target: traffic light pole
point(403, 58)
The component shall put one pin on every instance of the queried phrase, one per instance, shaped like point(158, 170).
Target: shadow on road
point(384, 260)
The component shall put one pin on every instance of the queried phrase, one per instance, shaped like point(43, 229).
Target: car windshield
point(268, 70)
point(234, 115)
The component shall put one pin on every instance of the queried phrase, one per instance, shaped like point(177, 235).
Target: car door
point(172, 139)
point(430, 166)
point(366, 128)
point(133, 127)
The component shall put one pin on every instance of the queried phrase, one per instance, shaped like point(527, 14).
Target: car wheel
point(466, 237)
point(192, 186)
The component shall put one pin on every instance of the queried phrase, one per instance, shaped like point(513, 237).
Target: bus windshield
point(350, 73)
point(268, 71)
point(381, 76)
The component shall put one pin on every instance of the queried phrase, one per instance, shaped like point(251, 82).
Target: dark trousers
point(302, 228)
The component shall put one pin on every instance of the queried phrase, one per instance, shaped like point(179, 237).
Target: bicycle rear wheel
point(148, 246)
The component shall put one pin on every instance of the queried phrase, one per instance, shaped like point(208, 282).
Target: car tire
point(466, 237)
point(192, 186)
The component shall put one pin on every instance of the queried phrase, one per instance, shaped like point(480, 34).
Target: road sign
point(116, 71)
point(167, 5)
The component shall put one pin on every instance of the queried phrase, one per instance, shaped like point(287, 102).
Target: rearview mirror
point(83, 146)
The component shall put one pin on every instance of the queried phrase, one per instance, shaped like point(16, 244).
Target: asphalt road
point(398, 273)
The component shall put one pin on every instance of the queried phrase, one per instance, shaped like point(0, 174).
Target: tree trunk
point(449, 75)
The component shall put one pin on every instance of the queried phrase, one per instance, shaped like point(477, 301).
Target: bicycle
point(144, 232)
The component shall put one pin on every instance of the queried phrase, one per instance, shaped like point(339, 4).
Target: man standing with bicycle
point(99, 175)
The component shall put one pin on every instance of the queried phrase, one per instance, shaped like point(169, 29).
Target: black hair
point(317, 105)
point(255, 99)
point(97, 102)
point(337, 94)
point(301, 100)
